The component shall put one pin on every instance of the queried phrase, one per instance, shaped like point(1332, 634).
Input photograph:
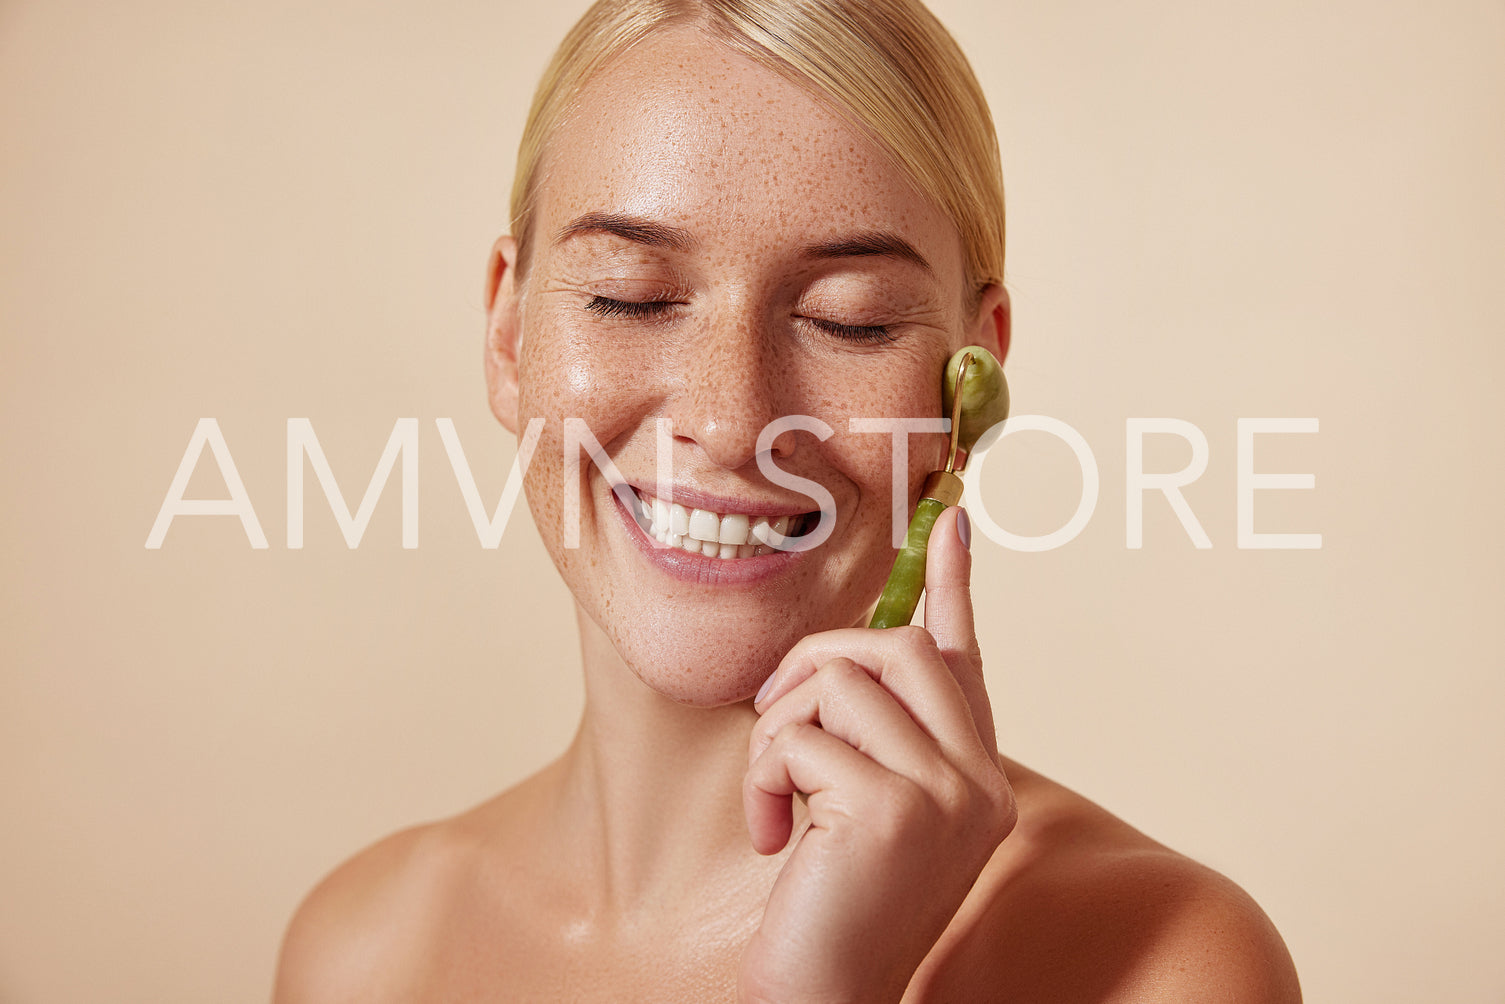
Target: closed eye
point(865, 334)
point(607, 307)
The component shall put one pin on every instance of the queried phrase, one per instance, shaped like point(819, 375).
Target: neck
point(653, 789)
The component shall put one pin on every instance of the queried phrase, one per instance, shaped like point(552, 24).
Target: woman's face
point(713, 247)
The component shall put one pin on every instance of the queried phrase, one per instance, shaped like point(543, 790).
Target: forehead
point(684, 130)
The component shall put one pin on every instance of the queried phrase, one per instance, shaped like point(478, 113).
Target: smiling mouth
point(718, 535)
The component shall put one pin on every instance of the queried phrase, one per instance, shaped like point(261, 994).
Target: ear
point(991, 326)
point(503, 331)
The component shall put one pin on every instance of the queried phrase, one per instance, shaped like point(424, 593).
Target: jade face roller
point(975, 394)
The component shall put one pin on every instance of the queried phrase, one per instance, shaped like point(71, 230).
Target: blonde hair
point(888, 65)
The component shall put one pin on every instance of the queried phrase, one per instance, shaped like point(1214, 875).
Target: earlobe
point(503, 332)
point(994, 321)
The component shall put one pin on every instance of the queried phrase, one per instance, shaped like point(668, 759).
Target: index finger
point(949, 616)
point(948, 589)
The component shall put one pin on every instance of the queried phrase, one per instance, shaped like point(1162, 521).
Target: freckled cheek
point(573, 375)
point(566, 376)
point(579, 378)
point(868, 457)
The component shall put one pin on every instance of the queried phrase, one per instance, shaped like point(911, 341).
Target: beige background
point(273, 210)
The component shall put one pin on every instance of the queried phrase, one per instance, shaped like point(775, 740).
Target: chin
point(713, 673)
point(709, 674)
point(706, 662)
point(695, 692)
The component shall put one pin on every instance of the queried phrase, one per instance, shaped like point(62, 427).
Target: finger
point(948, 586)
point(949, 616)
point(904, 660)
point(801, 758)
point(846, 702)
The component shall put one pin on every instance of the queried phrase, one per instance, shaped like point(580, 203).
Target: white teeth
point(771, 532)
point(700, 531)
point(734, 529)
point(705, 526)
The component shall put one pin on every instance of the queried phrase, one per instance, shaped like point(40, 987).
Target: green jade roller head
point(975, 394)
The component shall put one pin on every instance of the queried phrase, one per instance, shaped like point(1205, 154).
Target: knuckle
point(978, 804)
point(912, 636)
point(1008, 818)
point(839, 674)
point(791, 735)
point(762, 735)
point(953, 794)
point(999, 810)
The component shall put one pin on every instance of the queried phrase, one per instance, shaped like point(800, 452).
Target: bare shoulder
point(365, 931)
point(1079, 906)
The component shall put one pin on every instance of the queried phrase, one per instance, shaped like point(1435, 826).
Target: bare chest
point(546, 957)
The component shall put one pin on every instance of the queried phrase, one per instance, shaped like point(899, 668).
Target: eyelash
point(641, 310)
point(862, 334)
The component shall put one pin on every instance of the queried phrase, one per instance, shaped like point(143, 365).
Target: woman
point(727, 214)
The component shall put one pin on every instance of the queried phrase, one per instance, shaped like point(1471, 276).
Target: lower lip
point(702, 569)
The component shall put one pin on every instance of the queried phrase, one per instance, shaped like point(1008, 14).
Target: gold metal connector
point(944, 487)
point(956, 413)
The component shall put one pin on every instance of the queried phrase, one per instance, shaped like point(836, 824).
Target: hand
point(890, 736)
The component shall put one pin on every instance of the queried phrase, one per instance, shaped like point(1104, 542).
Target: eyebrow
point(631, 228)
point(868, 244)
point(864, 244)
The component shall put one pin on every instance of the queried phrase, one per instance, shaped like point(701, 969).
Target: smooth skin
point(665, 856)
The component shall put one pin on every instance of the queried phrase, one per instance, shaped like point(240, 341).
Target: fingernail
point(964, 527)
point(763, 690)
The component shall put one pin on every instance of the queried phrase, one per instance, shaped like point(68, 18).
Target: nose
point(730, 386)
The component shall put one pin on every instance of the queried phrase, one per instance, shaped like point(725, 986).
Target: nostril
point(726, 396)
point(730, 436)
point(781, 444)
point(780, 436)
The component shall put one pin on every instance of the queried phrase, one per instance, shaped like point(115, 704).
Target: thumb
point(948, 613)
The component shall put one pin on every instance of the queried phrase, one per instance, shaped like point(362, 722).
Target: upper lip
point(692, 498)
